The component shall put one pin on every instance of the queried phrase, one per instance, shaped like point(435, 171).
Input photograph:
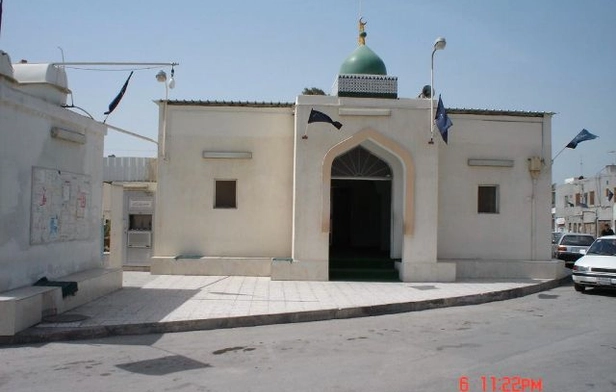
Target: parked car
point(555, 237)
point(597, 268)
point(571, 246)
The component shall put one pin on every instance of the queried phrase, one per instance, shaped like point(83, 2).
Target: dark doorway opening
point(360, 230)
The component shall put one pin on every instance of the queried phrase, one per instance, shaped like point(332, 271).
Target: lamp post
point(161, 76)
point(439, 44)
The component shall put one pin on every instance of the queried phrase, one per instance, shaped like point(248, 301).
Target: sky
point(556, 56)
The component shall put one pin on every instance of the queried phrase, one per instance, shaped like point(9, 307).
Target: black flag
point(316, 116)
point(443, 122)
point(118, 98)
point(0, 15)
point(581, 137)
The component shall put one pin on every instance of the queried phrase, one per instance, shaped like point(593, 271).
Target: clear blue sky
point(549, 55)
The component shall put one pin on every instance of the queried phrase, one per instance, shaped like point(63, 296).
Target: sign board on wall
point(61, 203)
point(140, 204)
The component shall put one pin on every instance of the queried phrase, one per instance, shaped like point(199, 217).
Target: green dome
point(363, 61)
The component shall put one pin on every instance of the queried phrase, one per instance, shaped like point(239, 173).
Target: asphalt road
point(557, 340)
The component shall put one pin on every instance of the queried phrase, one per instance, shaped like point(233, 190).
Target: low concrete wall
point(26, 306)
point(289, 269)
point(211, 266)
point(509, 269)
point(428, 272)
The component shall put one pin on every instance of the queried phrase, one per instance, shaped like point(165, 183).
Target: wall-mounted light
point(161, 76)
point(68, 135)
point(172, 80)
point(490, 162)
point(227, 155)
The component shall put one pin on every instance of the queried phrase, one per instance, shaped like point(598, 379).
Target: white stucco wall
point(284, 189)
point(186, 222)
point(521, 229)
point(25, 142)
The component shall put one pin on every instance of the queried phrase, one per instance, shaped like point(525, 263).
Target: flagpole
point(558, 154)
point(131, 133)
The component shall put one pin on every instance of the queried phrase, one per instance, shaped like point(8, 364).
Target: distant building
point(252, 188)
point(136, 179)
point(586, 204)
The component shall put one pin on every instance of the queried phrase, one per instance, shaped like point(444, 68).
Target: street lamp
point(161, 76)
point(439, 44)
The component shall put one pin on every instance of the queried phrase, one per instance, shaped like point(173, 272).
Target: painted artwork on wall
point(61, 203)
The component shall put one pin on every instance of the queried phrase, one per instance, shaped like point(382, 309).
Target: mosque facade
point(333, 185)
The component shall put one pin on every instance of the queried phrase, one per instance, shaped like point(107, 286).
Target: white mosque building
point(259, 189)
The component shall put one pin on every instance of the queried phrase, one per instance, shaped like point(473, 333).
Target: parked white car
point(597, 268)
point(571, 246)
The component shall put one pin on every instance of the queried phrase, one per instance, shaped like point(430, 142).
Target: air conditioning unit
point(139, 239)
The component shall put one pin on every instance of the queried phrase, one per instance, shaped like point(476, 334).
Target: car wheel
point(579, 288)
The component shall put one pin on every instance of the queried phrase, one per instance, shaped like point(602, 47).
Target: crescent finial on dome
point(362, 33)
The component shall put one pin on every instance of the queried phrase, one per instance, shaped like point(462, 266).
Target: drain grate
point(426, 287)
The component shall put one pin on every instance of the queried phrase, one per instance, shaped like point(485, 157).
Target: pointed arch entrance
point(361, 217)
point(400, 162)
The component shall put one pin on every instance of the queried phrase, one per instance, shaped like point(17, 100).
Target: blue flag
point(581, 137)
point(443, 122)
point(117, 99)
point(316, 116)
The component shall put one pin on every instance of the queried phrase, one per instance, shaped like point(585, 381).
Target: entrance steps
point(359, 268)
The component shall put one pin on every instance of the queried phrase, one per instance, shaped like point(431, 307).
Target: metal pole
point(164, 136)
point(558, 154)
point(115, 63)
point(131, 133)
point(432, 98)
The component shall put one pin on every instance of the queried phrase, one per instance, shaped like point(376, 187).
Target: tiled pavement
point(170, 303)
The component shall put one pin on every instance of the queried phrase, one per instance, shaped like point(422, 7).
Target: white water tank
point(6, 69)
point(46, 81)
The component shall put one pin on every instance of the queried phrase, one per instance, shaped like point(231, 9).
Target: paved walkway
point(172, 303)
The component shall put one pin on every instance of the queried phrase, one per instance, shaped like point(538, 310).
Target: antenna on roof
point(61, 52)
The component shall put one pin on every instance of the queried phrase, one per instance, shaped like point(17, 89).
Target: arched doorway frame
point(392, 147)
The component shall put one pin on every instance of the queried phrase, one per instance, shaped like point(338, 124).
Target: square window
point(226, 196)
point(487, 199)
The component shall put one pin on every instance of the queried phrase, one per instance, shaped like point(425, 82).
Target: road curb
point(53, 334)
